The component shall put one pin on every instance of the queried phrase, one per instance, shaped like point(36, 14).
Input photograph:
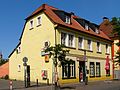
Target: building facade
point(90, 48)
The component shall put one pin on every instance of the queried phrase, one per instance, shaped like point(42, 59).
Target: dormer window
point(97, 31)
point(86, 26)
point(67, 19)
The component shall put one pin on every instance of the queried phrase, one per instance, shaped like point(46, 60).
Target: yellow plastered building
point(48, 26)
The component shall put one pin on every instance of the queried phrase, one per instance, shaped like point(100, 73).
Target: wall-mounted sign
point(44, 74)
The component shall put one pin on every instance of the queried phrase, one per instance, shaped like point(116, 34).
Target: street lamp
point(25, 59)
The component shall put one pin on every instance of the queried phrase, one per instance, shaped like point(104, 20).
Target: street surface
point(98, 85)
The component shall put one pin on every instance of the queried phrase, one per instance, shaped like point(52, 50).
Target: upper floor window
point(31, 24)
point(80, 42)
point(89, 45)
point(63, 38)
point(18, 50)
point(98, 47)
point(70, 40)
point(107, 49)
point(67, 19)
point(86, 26)
point(39, 20)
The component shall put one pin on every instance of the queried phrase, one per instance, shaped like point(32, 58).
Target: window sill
point(107, 53)
point(92, 76)
point(30, 28)
point(98, 76)
point(69, 78)
point(70, 47)
point(89, 50)
point(38, 25)
point(81, 49)
point(99, 52)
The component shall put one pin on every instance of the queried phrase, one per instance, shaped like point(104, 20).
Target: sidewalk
point(19, 85)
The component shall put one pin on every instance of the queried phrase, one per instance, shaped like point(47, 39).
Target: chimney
point(105, 18)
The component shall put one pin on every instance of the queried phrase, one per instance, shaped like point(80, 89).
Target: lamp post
point(25, 59)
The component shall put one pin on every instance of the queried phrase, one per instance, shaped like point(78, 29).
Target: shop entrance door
point(81, 71)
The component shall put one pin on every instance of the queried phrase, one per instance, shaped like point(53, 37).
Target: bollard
point(47, 81)
point(11, 85)
point(37, 82)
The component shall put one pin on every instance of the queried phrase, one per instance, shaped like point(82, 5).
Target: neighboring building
point(107, 28)
point(4, 70)
point(49, 26)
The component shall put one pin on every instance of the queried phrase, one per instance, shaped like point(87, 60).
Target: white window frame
point(67, 19)
point(38, 20)
point(82, 43)
point(67, 71)
point(31, 24)
point(107, 48)
point(89, 47)
point(72, 43)
point(97, 31)
point(98, 47)
point(65, 37)
point(86, 26)
point(72, 68)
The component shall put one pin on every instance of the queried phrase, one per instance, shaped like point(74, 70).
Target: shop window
point(98, 71)
point(92, 69)
point(68, 70)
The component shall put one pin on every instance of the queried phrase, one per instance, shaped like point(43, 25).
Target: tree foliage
point(58, 53)
point(116, 32)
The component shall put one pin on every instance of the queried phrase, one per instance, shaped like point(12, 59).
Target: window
point(97, 31)
point(31, 24)
point(19, 68)
point(70, 40)
point(38, 21)
point(98, 69)
point(68, 69)
point(92, 69)
point(107, 49)
point(63, 38)
point(67, 19)
point(90, 45)
point(86, 26)
point(18, 50)
point(98, 47)
point(80, 42)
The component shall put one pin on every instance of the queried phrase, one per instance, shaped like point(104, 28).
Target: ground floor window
point(92, 69)
point(98, 74)
point(68, 69)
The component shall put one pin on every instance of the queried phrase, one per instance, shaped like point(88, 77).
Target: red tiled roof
point(106, 27)
point(48, 10)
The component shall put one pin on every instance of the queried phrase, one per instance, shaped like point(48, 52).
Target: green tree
point(58, 54)
point(116, 32)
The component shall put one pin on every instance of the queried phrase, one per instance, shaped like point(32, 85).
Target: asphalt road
point(99, 85)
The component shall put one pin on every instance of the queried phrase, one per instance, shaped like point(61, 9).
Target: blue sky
point(13, 13)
